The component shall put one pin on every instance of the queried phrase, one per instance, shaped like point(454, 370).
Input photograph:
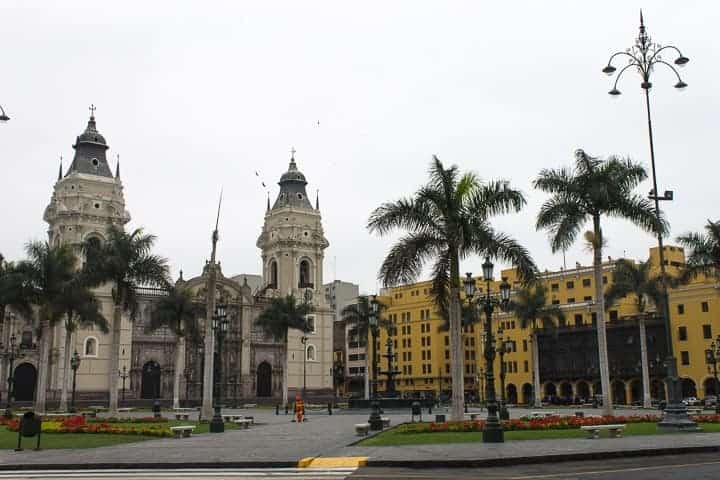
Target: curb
point(569, 457)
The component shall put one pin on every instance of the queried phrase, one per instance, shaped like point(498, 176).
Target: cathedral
point(86, 200)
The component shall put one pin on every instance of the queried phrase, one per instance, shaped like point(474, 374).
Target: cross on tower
point(92, 110)
point(292, 153)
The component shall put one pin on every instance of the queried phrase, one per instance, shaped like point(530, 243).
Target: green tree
point(530, 305)
point(637, 279)
point(12, 291)
point(78, 308)
point(357, 315)
point(448, 220)
point(47, 274)
point(586, 192)
point(125, 260)
point(177, 312)
point(704, 256)
point(280, 316)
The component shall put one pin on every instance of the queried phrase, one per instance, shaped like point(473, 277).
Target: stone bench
point(694, 411)
point(228, 417)
point(616, 431)
point(385, 421)
point(542, 414)
point(362, 428)
point(182, 416)
point(471, 416)
point(249, 405)
point(243, 422)
point(58, 415)
point(182, 431)
point(125, 410)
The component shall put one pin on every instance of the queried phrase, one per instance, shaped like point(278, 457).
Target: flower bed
point(546, 423)
point(77, 425)
point(127, 420)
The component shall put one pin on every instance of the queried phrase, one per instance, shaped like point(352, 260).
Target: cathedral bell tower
point(292, 240)
point(88, 198)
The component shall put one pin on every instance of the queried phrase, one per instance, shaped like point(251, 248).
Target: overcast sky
point(195, 96)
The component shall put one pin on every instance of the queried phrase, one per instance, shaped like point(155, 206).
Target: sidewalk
point(276, 442)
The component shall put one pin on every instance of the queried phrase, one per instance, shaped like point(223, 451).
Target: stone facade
point(86, 201)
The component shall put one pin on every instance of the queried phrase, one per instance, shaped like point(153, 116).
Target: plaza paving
point(276, 441)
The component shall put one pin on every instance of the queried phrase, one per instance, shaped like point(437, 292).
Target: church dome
point(293, 174)
point(91, 135)
point(292, 189)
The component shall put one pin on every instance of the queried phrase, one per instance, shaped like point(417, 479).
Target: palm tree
point(47, 274)
point(448, 220)
point(281, 315)
point(125, 260)
point(358, 315)
point(79, 308)
point(530, 305)
point(594, 188)
point(637, 279)
point(177, 312)
point(704, 256)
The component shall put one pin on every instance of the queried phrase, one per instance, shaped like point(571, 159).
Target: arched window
point(273, 274)
point(305, 280)
point(310, 353)
point(90, 347)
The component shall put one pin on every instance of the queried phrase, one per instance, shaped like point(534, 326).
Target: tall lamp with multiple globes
point(712, 357)
point(375, 419)
point(643, 57)
point(493, 432)
point(11, 352)
point(74, 365)
point(220, 327)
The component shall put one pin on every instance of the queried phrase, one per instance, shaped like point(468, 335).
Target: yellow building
point(567, 353)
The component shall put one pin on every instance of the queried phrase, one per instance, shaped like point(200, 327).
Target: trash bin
point(580, 414)
point(415, 411)
point(30, 426)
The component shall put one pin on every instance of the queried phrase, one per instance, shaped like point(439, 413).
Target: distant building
point(338, 295)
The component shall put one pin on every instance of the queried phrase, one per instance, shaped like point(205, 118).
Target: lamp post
point(493, 432)
point(712, 356)
point(304, 340)
point(375, 420)
point(74, 365)
point(502, 350)
point(643, 57)
point(220, 327)
point(11, 353)
point(3, 116)
point(123, 374)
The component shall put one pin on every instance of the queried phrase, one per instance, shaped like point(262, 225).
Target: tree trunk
point(536, 369)
point(179, 357)
point(114, 360)
point(647, 403)
point(4, 338)
point(285, 373)
point(607, 408)
point(457, 413)
point(43, 370)
point(66, 368)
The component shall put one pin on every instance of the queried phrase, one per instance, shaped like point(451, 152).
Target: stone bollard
point(286, 409)
point(277, 409)
point(329, 408)
point(430, 409)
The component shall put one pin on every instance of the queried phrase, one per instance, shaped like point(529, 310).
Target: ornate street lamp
point(11, 353)
point(3, 116)
point(74, 365)
point(124, 376)
point(304, 340)
point(375, 419)
point(493, 432)
point(712, 356)
point(220, 326)
point(644, 57)
point(502, 350)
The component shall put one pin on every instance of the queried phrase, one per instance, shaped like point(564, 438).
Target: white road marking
point(272, 473)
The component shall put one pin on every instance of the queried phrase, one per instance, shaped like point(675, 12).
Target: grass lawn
point(396, 437)
point(8, 439)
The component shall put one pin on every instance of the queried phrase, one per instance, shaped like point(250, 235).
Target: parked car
point(691, 401)
point(710, 401)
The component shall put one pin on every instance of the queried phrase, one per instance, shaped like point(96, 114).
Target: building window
point(310, 324)
point(578, 319)
point(571, 300)
point(707, 331)
point(570, 285)
point(556, 302)
point(526, 366)
point(554, 287)
point(605, 280)
point(705, 307)
point(91, 347)
point(681, 309)
point(524, 345)
point(273, 274)
point(586, 282)
point(447, 368)
point(685, 358)
point(613, 315)
point(447, 354)
point(682, 333)
point(305, 275)
point(310, 353)
point(587, 298)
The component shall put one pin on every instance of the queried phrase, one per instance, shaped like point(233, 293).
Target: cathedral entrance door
point(150, 387)
point(264, 380)
point(25, 379)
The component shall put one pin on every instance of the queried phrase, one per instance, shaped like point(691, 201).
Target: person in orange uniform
point(299, 409)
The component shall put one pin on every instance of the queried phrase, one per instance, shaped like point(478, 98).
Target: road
point(672, 467)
